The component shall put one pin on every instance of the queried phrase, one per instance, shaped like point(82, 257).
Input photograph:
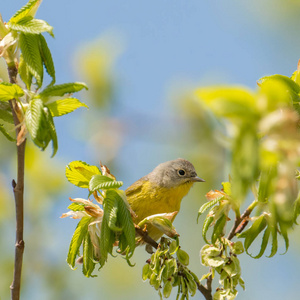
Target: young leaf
point(62, 89)
point(33, 118)
point(6, 116)
point(88, 253)
point(218, 229)
point(80, 232)
point(2, 129)
point(51, 131)
point(80, 173)
point(27, 10)
point(208, 205)
point(251, 234)
point(29, 44)
point(24, 72)
point(207, 222)
point(274, 240)
point(76, 207)
point(62, 107)
point(47, 58)
point(110, 206)
point(99, 181)
point(30, 25)
point(264, 243)
point(124, 217)
point(9, 91)
point(284, 234)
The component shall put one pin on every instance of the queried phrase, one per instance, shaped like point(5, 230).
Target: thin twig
point(18, 189)
point(145, 237)
point(242, 221)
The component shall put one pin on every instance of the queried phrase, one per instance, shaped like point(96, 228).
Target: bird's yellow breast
point(148, 199)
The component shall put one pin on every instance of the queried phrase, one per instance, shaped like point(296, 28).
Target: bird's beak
point(197, 179)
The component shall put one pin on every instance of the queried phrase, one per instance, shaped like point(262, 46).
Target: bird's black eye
point(181, 172)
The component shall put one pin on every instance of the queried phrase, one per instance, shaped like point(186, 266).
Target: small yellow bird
point(161, 191)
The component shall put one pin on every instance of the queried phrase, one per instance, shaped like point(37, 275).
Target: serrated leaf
point(80, 232)
point(27, 10)
point(88, 253)
point(251, 234)
point(207, 222)
point(284, 234)
point(6, 134)
point(264, 243)
point(33, 117)
point(29, 44)
point(62, 107)
point(274, 241)
point(208, 205)
point(110, 207)
point(62, 89)
point(9, 91)
point(51, 131)
point(218, 228)
point(24, 72)
point(99, 181)
point(47, 58)
point(80, 173)
point(30, 25)
point(124, 217)
point(76, 207)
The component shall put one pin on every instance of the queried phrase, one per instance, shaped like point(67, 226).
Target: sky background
point(158, 50)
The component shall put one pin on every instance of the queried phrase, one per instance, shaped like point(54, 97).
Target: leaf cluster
point(104, 224)
point(26, 52)
point(164, 271)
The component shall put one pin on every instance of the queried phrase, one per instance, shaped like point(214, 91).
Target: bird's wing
point(135, 188)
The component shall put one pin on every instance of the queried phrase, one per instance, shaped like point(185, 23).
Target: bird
point(161, 191)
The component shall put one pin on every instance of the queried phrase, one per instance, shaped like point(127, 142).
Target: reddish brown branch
point(145, 237)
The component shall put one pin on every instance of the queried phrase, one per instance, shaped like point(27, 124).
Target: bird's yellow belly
point(151, 200)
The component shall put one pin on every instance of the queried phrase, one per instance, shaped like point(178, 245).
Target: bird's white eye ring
point(181, 172)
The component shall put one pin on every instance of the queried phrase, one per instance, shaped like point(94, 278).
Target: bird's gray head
point(174, 173)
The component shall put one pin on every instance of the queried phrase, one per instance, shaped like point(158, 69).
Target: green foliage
point(164, 271)
point(108, 225)
point(33, 107)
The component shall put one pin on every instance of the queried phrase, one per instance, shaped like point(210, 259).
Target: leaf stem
point(18, 189)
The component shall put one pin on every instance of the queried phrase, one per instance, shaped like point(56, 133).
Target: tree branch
point(18, 189)
point(145, 237)
point(242, 221)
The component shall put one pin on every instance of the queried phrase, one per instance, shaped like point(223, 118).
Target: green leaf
point(286, 80)
point(207, 222)
point(124, 217)
point(10, 91)
point(284, 234)
point(227, 188)
point(80, 232)
point(24, 72)
point(251, 234)
point(265, 180)
point(62, 89)
point(52, 132)
point(88, 253)
point(110, 206)
point(33, 118)
point(99, 181)
point(30, 25)
point(61, 107)
point(6, 116)
point(107, 239)
point(274, 240)
point(47, 58)
point(27, 10)
point(76, 207)
point(264, 243)
point(29, 44)
point(208, 205)
point(80, 173)
point(218, 228)
point(6, 134)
